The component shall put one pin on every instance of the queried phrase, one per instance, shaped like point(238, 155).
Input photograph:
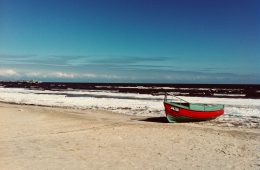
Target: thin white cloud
point(68, 75)
point(34, 74)
point(89, 75)
point(64, 75)
point(180, 76)
point(8, 73)
point(109, 76)
point(52, 75)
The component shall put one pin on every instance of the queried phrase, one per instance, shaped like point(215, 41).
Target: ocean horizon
point(196, 90)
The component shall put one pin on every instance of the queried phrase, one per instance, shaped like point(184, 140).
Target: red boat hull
point(177, 114)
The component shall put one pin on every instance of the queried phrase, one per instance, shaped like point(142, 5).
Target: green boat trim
point(197, 106)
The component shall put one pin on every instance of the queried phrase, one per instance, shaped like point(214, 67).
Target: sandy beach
point(36, 137)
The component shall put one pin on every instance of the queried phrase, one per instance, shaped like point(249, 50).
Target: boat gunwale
point(220, 106)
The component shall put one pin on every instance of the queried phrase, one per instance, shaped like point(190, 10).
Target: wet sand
point(35, 137)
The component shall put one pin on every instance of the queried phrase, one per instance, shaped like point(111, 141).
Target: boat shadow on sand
point(155, 119)
point(164, 120)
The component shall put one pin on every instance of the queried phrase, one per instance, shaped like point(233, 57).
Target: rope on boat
point(165, 98)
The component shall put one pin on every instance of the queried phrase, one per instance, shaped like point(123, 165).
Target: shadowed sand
point(34, 137)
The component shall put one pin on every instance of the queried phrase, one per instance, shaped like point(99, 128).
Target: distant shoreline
point(196, 90)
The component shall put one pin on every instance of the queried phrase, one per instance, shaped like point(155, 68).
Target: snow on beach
point(238, 112)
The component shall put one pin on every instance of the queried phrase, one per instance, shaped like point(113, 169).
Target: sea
point(242, 101)
point(197, 90)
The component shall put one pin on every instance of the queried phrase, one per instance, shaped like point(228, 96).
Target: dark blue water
point(200, 90)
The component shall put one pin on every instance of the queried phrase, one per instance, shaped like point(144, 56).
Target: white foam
point(244, 110)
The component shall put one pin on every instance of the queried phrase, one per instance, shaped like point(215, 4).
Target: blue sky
point(155, 41)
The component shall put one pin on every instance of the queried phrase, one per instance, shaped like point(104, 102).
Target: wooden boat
point(183, 111)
